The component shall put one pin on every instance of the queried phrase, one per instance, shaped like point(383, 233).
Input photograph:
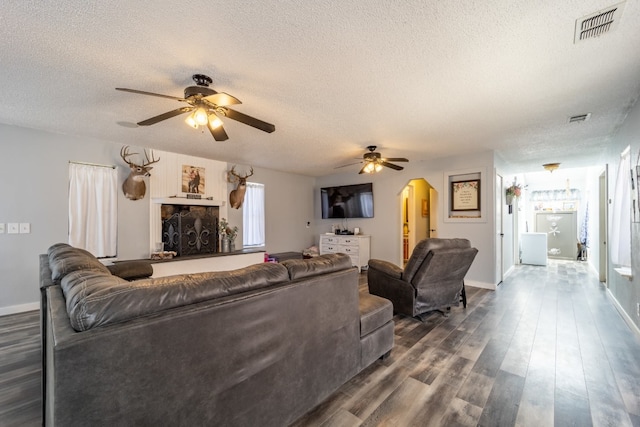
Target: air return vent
point(598, 23)
point(579, 118)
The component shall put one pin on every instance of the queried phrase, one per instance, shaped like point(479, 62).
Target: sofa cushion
point(375, 311)
point(301, 268)
point(131, 270)
point(95, 298)
point(64, 259)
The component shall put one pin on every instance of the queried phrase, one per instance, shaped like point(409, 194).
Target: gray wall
point(386, 226)
point(34, 189)
point(288, 208)
point(626, 292)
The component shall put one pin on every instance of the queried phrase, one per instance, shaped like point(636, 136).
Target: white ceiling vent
point(580, 118)
point(598, 23)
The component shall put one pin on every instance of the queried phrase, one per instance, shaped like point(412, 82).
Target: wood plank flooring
point(20, 394)
point(546, 348)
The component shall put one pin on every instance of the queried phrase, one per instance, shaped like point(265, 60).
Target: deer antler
point(236, 177)
point(150, 161)
point(124, 153)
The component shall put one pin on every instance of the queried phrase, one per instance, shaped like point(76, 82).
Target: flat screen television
point(347, 201)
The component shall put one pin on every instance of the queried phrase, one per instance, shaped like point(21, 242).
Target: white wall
point(34, 189)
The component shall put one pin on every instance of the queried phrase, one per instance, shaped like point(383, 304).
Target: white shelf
point(624, 272)
point(185, 201)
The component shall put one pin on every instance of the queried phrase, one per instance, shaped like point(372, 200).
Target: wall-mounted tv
point(347, 201)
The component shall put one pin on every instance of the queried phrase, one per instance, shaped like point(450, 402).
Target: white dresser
point(356, 246)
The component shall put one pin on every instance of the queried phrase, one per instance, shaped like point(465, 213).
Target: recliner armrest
point(386, 267)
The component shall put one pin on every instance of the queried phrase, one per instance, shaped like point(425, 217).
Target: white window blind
point(253, 215)
point(93, 208)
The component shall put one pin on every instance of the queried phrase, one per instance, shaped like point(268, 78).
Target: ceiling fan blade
point(350, 164)
point(396, 159)
point(392, 166)
point(362, 170)
point(165, 116)
point(141, 92)
point(222, 99)
point(248, 120)
point(218, 133)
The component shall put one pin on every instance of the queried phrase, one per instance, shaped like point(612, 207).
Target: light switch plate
point(13, 228)
point(25, 228)
point(1, 227)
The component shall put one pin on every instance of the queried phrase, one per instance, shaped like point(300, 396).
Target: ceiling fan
point(373, 161)
point(206, 107)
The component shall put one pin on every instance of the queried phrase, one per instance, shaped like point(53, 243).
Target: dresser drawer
point(329, 248)
point(350, 250)
point(349, 241)
point(330, 239)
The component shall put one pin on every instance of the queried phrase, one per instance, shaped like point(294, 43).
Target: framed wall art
point(465, 195)
point(192, 180)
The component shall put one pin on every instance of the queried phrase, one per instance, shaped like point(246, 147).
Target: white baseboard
point(483, 285)
point(624, 314)
point(13, 309)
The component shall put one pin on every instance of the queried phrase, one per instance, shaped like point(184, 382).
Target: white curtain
point(620, 233)
point(93, 208)
point(253, 215)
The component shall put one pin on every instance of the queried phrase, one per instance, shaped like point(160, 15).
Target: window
point(253, 215)
point(93, 208)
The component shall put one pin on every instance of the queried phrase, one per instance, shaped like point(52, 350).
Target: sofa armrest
point(392, 270)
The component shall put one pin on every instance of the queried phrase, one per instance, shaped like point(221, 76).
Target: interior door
point(602, 227)
point(499, 200)
point(433, 212)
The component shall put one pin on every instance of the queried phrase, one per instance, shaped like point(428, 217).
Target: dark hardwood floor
point(20, 400)
point(546, 348)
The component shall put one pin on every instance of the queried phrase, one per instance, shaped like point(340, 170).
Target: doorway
point(418, 215)
point(602, 227)
point(499, 230)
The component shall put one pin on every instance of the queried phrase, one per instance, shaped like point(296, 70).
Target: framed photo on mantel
point(192, 180)
point(465, 195)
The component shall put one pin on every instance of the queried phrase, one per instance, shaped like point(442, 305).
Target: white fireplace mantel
point(185, 201)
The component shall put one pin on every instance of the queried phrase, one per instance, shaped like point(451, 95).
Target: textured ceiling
point(419, 79)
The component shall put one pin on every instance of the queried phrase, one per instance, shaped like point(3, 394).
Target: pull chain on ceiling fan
point(206, 107)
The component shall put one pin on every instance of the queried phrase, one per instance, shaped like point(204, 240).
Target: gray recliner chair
point(432, 280)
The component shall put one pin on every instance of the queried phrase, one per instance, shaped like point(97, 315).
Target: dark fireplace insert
point(190, 230)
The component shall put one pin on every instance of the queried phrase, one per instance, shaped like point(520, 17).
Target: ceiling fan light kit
point(551, 166)
point(205, 104)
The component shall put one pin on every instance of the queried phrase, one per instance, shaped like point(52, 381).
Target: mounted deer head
point(134, 187)
point(236, 197)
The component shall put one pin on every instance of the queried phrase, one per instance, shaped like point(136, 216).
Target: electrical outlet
point(638, 309)
point(1, 227)
point(13, 228)
point(25, 228)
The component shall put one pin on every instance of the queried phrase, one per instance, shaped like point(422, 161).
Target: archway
point(418, 207)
